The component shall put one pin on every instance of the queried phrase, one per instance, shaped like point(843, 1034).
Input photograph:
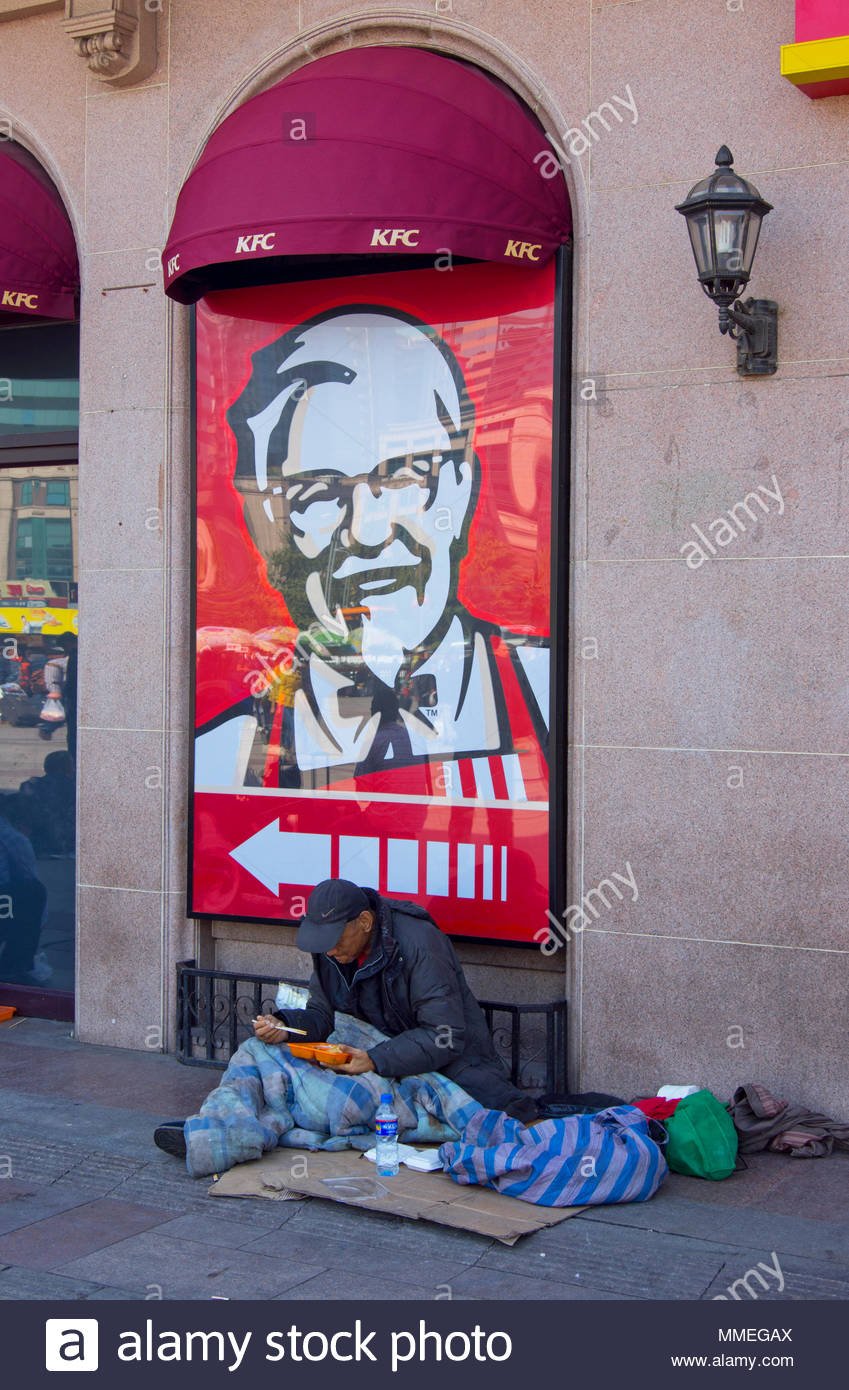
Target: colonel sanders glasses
point(419, 473)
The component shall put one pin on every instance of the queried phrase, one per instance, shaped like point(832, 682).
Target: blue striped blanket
point(582, 1160)
point(268, 1098)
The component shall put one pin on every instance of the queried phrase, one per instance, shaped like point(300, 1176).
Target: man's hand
point(359, 1063)
point(268, 1029)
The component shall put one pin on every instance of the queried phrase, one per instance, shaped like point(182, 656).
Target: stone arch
point(23, 135)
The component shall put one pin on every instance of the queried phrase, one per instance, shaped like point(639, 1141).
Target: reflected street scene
point(38, 711)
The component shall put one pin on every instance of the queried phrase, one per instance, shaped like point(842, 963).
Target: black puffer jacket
point(412, 988)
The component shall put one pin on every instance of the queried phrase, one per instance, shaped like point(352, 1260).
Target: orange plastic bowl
point(330, 1053)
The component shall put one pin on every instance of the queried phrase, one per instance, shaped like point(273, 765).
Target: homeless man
point(387, 963)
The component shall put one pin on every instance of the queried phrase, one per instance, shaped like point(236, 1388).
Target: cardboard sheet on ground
point(346, 1177)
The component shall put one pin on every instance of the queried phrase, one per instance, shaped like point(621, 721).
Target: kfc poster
point(374, 466)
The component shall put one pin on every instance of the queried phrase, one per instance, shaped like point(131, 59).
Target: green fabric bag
point(702, 1138)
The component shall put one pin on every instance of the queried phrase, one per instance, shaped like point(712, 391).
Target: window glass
point(39, 380)
point(23, 549)
point(38, 660)
point(58, 556)
point(57, 493)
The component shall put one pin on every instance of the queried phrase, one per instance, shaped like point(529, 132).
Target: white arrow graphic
point(276, 856)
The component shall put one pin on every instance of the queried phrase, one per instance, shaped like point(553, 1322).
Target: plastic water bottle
point(386, 1125)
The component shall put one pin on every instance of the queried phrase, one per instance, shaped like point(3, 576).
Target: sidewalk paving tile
point(93, 1186)
point(480, 1282)
point(332, 1286)
point(80, 1231)
point(139, 1081)
point(213, 1229)
point(361, 1257)
point(802, 1279)
point(109, 1295)
point(815, 1187)
point(17, 1284)
point(47, 1201)
point(129, 1131)
point(174, 1188)
point(10, 1189)
point(189, 1269)
point(631, 1263)
point(35, 1160)
point(793, 1234)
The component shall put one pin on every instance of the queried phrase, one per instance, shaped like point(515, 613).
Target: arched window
point(377, 253)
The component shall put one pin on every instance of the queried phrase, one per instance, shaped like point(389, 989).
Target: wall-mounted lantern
point(724, 214)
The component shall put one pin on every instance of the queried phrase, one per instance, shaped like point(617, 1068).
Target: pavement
point(90, 1209)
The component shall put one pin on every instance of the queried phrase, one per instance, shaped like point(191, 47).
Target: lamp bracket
point(756, 335)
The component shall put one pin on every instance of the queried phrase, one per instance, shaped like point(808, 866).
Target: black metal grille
point(215, 1008)
point(523, 1047)
point(214, 1011)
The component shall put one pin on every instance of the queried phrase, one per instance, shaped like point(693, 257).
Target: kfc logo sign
point(16, 299)
point(255, 241)
point(391, 236)
point(173, 265)
point(369, 458)
point(528, 249)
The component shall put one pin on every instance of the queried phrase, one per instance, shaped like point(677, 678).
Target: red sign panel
point(374, 464)
point(821, 19)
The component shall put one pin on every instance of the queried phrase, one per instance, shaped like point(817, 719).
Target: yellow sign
point(818, 67)
point(32, 621)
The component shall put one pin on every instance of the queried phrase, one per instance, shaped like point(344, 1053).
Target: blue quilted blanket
point(268, 1098)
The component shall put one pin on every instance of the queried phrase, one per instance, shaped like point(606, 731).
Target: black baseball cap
point(331, 905)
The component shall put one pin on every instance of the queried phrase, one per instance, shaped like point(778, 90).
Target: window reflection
point(38, 706)
point(39, 386)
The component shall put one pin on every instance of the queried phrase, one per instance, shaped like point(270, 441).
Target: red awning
point(370, 151)
point(39, 275)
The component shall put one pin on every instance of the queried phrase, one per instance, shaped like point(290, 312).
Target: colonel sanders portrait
point(357, 467)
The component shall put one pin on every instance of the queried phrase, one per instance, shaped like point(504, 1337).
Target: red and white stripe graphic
point(434, 868)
